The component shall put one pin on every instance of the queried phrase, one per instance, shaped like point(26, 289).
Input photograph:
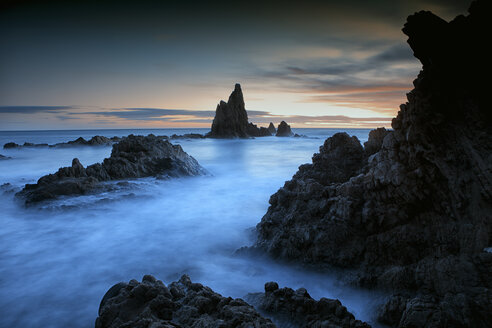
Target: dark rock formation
point(94, 141)
point(132, 157)
point(297, 308)
point(271, 129)
point(2, 157)
point(150, 303)
point(11, 145)
point(187, 136)
point(284, 130)
point(412, 213)
point(231, 120)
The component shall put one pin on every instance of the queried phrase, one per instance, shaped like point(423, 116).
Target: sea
point(58, 259)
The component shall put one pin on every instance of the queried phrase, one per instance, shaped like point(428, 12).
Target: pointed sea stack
point(231, 119)
point(271, 129)
point(284, 130)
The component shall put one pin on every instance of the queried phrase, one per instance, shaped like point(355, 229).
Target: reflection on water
point(57, 261)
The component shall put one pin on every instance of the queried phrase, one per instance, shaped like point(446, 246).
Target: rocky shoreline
point(132, 157)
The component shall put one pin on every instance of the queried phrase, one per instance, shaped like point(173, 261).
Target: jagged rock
point(2, 157)
point(151, 303)
point(284, 130)
point(297, 308)
point(186, 136)
point(375, 141)
point(271, 129)
point(415, 215)
point(11, 145)
point(231, 119)
point(132, 157)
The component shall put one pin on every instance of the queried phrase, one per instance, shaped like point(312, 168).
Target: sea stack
point(284, 130)
point(271, 129)
point(411, 213)
point(231, 118)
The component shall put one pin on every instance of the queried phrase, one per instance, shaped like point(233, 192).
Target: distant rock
point(187, 136)
point(151, 303)
point(296, 308)
point(284, 130)
point(231, 120)
point(10, 145)
point(132, 157)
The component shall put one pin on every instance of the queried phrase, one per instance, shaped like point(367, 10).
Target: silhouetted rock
point(412, 213)
point(151, 303)
point(231, 119)
point(132, 157)
point(271, 129)
point(186, 136)
point(297, 308)
point(11, 145)
point(284, 130)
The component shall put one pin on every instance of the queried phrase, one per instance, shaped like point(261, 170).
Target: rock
point(186, 136)
point(375, 141)
point(99, 141)
point(231, 119)
point(132, 157)
point(297, 308)
point(284, 130)
point(412, 212)
point(151, 303)
point(11, 145)
point(271, 129)
point(2, 157)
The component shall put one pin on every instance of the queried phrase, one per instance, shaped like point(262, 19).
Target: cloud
point(32, 109)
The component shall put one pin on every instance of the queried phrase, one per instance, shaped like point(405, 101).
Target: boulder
point(412, 212)
point(297, 308)
point(284, 130)
point(132, 157)
point(151, 303)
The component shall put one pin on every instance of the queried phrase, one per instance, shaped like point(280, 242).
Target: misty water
point(58, 259)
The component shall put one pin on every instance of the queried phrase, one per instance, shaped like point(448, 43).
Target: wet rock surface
point(151, 303)
point(412, 211)
point(2, 157)
point(297, 308)
point(132, 157)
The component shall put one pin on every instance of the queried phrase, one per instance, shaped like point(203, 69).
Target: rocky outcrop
point(271, 129)
point(132, 157)
point(151, 303)
point(231, 120)
point(297, 308)
point(94, 141)
point(284, 130)
point(412, 212)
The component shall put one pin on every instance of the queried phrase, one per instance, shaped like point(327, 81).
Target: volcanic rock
point(132, 157)
point(151, 303)
point(284, 130)
point(412, 212)
point(297, 308)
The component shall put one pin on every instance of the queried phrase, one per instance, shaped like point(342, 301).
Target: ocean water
point(58, 259)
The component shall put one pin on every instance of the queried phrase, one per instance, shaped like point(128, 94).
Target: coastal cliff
point(412, 211)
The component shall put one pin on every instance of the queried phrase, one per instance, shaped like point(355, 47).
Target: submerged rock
point(284, 130)
point(412, 212)
point(132, 157)
point(2, 157)
point(297, 308)
point(151, 303)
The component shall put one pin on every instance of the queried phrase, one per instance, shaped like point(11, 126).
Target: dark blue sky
point(127, 63)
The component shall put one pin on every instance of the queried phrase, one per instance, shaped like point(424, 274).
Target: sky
point(86, 64)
